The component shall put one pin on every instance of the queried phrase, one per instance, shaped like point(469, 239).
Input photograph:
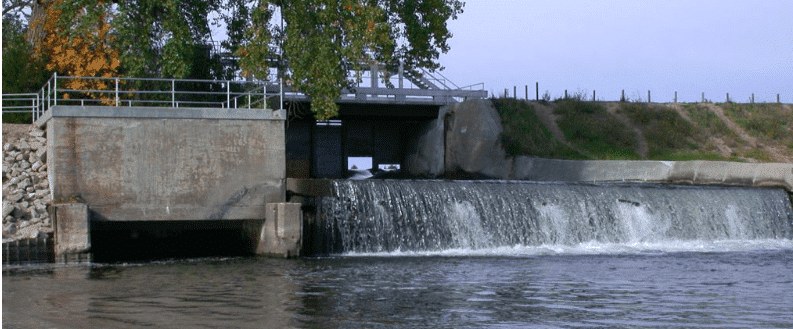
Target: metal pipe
point(173, 93)
point(117, 92)
point(55, 88)
point(228, 94)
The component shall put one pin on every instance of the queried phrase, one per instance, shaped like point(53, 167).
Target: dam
point(385, 216)
point(154, 178)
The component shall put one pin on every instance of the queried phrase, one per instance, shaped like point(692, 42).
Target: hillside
point(575, 129)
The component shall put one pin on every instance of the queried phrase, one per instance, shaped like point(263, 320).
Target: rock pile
point(26, 189)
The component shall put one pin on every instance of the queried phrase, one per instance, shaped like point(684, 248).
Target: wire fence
point(585, 96)
point(150, 92)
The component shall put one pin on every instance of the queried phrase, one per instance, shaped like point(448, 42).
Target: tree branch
point(15, 5)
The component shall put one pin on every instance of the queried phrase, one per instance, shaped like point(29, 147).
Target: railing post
point(249, 100)
point(228, 94)
point(264, 96)
point(117, 104)
point(173, 93)
point(401, 74)
point(55, 88)
point(49, 92)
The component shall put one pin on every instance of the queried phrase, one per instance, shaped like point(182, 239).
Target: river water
point(737, 284)
point(494, 255)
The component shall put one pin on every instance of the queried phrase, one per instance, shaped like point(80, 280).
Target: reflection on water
point(650, 288)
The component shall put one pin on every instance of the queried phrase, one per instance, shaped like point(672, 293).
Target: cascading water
point(402, 215)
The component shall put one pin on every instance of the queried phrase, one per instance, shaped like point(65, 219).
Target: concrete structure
point(164, 164)
point(464, 141)
point(282, 232)
point(383, 133)
point(72, 230)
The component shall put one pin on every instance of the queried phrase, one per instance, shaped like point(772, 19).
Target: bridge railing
point(177, 93)
point(20, 103)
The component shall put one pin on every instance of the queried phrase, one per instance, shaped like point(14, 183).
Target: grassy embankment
point(601, 130)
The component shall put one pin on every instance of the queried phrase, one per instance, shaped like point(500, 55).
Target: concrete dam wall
point(170, 170)
point(465, 141)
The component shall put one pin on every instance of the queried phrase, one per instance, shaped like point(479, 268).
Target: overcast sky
point(716, 47)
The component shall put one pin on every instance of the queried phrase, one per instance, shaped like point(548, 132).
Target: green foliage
point(324, 38)
point(525, 134)
point(155, 38)
point(22, 72)
point(591, 127)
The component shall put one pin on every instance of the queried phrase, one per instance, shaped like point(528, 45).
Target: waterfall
point(425, 215)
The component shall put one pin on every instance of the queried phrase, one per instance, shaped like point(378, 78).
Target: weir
point(408, 215)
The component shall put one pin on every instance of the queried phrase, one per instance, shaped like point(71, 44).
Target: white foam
point(595, 248)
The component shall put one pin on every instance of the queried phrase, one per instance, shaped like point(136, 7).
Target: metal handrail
point(31, 98)
point(120, 95)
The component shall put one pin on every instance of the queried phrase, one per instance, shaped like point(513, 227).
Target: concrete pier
point(131, 164)
point(72, 231)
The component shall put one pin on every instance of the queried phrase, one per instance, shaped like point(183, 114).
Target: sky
point(715, 47)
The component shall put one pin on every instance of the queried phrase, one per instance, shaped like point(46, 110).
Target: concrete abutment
point(169, 170)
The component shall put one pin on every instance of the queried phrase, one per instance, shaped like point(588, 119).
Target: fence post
point(675, 96)
point(527, 92)
point(117, 101)
point(565, 94)
point(752, 98)
point(593, 96)
point(173, 93)
point(55, 88)
point(703, 97)
point(623, 96)
point(515, 92)
point(728, 97)
point(648, 97)
point(537, 90)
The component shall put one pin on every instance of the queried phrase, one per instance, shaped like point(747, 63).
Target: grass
point(759, 154)
point(525, 134)
point(764, 121)
point(708, 120)
point(590, 127)
point(666, 132)
point(698, 155)
point(593, 133)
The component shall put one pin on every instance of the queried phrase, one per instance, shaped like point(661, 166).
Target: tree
point(23, 72)
point(88, 54)
point(323, 39)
